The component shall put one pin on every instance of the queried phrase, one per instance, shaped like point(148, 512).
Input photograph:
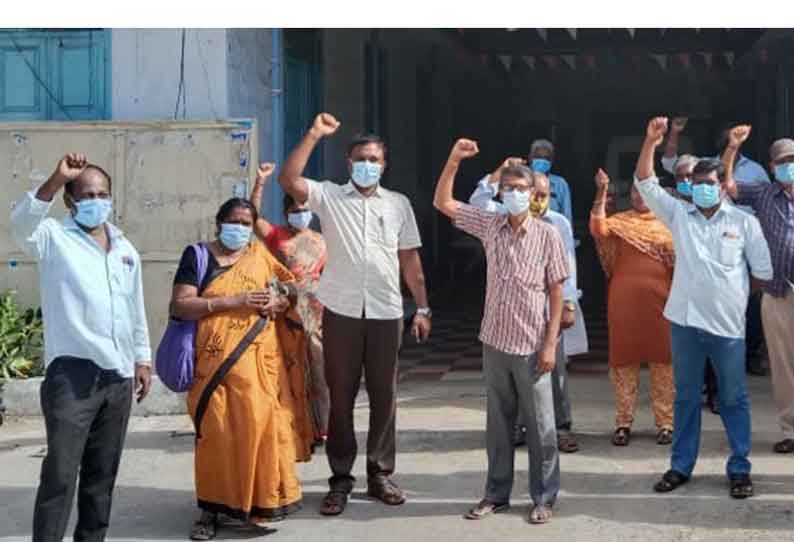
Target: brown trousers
point(778, 316)
point(353, 345)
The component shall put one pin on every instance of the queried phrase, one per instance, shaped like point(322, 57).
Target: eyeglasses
point(519, 188)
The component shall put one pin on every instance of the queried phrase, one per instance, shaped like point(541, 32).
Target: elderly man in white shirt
point(573, 340)
point(371, 235)
point(714, 246)
point(96, 344)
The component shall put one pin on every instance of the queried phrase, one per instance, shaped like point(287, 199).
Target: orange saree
point(257, 422)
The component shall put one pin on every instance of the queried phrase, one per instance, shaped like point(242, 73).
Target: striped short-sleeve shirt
point(522, 265)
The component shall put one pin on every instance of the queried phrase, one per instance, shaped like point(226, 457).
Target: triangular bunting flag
point(729, 58)
point(632, 31)
point(708, 57)
point(662, 31)
point(543, 33)
point(507, 60)
point(572, 32)
point(570, 60)
point(551, 61)
point(529, 61)
point(661, 60)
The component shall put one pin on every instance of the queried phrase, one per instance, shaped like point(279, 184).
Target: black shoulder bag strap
point(224, 369)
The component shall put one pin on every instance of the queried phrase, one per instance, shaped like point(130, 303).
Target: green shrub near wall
point(21, 339)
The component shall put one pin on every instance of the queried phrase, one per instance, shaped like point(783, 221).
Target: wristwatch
point(424, 311)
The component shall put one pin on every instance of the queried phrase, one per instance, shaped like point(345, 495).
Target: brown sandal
point(334, 503)
point(567, 444)
point(664, 437)
point(622, 436)
point(785, 446)
point(205, 528)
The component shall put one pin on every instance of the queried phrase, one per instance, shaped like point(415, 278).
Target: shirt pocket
point(387, 228)
point(730, 251)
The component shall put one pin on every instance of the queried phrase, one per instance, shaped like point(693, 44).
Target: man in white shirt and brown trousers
point(371, 234)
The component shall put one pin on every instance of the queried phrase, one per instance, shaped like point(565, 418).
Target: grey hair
point(519, 171)
point(686, 160)
point(541, 144)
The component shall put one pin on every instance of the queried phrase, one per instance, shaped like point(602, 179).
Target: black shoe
point(756, 368)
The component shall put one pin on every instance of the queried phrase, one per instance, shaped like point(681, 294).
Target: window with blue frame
point(59, 75)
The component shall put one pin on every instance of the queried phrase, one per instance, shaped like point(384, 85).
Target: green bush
point(21, 340)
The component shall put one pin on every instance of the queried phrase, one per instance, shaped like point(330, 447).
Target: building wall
point(146, 71)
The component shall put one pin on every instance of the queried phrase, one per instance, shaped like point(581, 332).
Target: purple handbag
point(175, 354)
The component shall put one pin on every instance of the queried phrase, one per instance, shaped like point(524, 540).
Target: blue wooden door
point(54, 75)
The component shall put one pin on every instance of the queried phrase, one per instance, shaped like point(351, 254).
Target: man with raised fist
point(371, 235)
point(527, 266)
point(714, 245)
point(96, 344)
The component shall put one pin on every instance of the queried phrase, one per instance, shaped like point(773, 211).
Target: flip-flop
point(540, 514)
point(785, 446)
point(622, 436)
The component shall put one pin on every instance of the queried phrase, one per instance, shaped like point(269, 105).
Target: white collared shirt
point(711, 282)
point(91, 300)
point(363, 236)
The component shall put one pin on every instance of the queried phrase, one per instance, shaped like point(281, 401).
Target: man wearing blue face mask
point(745, 170)
point(774, 207)
point(527, 267)
point(371, 234)
point(541, 159)
point(714, 245)
point(96, 344)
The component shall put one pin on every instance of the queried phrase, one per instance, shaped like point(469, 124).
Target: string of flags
point(591, 60)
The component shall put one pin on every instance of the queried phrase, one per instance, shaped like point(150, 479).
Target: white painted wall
point(145, 73)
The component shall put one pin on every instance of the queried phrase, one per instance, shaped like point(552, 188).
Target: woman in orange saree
point(251, 415)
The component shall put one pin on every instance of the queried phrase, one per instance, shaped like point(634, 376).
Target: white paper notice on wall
point(240, 190)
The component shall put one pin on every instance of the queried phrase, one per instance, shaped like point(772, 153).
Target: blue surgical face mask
point(235, 236)
point(300, 220)
point(92, 213)
point(784, 173)
point(541, 165)
point(684, 187)
point(516, 202)
point(705, 195)
point(366, 174)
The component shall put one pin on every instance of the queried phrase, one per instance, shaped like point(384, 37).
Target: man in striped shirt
point(526, 267)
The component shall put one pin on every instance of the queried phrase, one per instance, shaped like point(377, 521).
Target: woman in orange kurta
point(257, 422)
point(636, 252)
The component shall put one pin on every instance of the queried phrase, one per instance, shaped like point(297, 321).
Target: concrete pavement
point(606, 491)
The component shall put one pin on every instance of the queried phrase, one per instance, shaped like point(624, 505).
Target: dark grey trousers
point(559, 386)
point(86, 410)
point(512, 386)
point(353, 345)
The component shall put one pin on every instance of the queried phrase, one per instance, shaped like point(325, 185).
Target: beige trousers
point(778, 318)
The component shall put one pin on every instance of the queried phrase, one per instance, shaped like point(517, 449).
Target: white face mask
point(516, 202)
point(300, 220)
point(366, 174)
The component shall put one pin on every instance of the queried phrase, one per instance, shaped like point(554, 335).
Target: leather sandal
point(622, 436)
point(385, 491)
point(742, 487)
point(669, 481)
point(785, 446)
point(485, 508)
point(205, 528)
point(664, 437)
point(567, 444)
point(334, 503)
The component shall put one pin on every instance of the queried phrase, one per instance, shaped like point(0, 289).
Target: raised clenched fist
point(679, 123)
point(264, 171)
point(601, 179)
point(325, 124)
point(739, 134)
point(657, 128)
point(72, 165)
point(463, 149)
